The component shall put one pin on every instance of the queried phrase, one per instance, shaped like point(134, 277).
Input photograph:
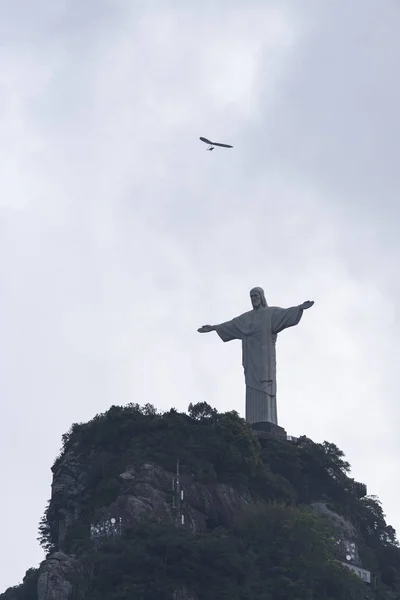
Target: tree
point(201, 410)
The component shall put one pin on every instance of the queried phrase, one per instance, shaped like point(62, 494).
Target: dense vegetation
point(277, 550)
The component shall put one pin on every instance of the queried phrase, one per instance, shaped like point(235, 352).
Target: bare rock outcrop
point(146, 490)
point(58, 578)
point(342, 525)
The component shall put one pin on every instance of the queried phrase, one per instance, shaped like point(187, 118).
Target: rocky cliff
point(186, 507)
point(146, 490)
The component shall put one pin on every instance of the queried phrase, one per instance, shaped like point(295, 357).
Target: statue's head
point(258, 298)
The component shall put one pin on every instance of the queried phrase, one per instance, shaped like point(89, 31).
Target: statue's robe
point(258, 330)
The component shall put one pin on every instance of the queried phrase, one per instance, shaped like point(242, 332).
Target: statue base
point(264, 429)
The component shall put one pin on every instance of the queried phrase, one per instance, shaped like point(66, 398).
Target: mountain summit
point(174, 506)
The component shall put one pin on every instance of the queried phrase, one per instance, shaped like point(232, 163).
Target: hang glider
point(213, 144)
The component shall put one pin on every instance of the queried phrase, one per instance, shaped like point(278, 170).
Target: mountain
point(173, 506)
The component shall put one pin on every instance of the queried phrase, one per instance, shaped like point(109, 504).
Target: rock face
point(347, 539)
point(183, 594)
point(342, 526)
point(56, 579)
point(145, 490)
point(69, 485)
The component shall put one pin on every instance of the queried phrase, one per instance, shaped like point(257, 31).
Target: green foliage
point(272, 553)
point(77, 539)
point(217, 446)
point(372, 524)
point(211, 447)
point(277, 551)
point(26, 591)
point(44, 537)
point(293, 556)
point(201, 411)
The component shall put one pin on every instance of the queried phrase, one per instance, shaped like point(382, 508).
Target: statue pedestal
point(265, 429)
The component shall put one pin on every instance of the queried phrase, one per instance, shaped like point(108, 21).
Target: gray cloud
point(119, 235)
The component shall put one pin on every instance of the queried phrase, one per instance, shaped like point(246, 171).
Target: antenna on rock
point(177, 500)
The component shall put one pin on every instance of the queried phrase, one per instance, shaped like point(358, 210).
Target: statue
point(258, 330)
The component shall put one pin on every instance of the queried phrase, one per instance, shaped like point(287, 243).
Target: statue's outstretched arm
point(307, 304)
point(206, 328)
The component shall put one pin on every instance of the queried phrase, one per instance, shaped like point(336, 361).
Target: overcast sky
point(120, 235)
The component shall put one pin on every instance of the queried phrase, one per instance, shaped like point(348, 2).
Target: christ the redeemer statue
point(258, 330)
